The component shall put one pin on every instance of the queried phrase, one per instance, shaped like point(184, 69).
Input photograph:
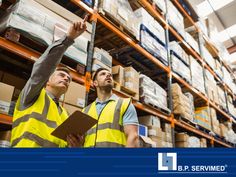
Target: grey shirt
point(42, 70)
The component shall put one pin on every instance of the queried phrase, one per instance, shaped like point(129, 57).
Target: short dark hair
point(63, 68)
point(97, 71)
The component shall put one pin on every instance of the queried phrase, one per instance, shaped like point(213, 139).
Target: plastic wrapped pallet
point(203, 143)
point(151, 93)
point(182, 105)
point(119, 10)
point(161, 4)
point(211, 87)
point(180, 68)
point(208, 57)
point(222, 100)
point(103, 56)
point(175, 18)
point(194, 142)
point(38, 23)
point(214, 121)
point(197, 75)
point(227, 78)
point(150, 120)
point(191, 105)
point(179, 51)
point(202, 117)
point(143, 17)
point(192, 42)
point(153, 44)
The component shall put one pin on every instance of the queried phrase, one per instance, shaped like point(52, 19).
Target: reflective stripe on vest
point(109, 132)
point(32, 126)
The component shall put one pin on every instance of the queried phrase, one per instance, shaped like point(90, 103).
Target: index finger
point(85, 18)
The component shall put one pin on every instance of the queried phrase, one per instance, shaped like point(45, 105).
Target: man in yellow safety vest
point(37, 112)
point(117, 118)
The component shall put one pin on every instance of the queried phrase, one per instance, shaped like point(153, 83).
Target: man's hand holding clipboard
point(76, 124)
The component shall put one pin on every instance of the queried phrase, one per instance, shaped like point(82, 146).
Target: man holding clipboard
point(37, 112)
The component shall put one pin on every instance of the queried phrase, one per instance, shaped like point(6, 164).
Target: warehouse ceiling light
point(209, 6)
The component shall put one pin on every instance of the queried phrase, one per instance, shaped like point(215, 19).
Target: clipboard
point(76, 123)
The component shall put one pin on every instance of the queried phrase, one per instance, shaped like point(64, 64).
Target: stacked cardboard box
point(215, 122)
point(157, 135)
point(181, 140)
point(202, 117)
point(192, 42)
point(180, 68)
point(168, 141)
point(174, 46)
point(144, 18)
point(127, 77)
point(208, 57)
point(211, 87)
point(5, 138)
point(74, 99)
point(37, 21)
point(120, 10)
point(227, 78)
point(222, 99)
point(175, 18)
point(131, 78)
point(150, 120)
point(218, 70)
point(161, 4)
point(203, 142)
point(5, 99)
point(151, 93)
point(182, 104)
point(101, 59)
point(184, 140)
point(197, 75)
point(227, 132)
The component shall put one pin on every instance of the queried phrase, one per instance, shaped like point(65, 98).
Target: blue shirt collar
point(112, 98)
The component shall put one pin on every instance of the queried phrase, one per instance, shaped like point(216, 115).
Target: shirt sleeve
point(130, 116)
point(42, 69)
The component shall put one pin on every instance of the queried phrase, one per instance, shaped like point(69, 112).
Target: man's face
point(104, 80)
point(60, 80)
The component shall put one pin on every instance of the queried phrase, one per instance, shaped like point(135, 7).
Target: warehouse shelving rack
point(86, 80)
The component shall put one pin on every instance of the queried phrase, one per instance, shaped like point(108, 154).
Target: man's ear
point(95, 83)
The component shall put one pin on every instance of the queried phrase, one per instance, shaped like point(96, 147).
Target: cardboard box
point(14, 80)
point(181, 144)
point(103, 56)
point(118, 74)
point(155, 131)
point(5, 135)
point(131, 79)
point(98, 64)
point(5, 99)
point(75, 95)
point(181, 137)
point(70, 108)
point(150, 120)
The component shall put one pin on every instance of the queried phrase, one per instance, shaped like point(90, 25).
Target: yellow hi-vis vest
point(32, 126)
point(109, 131)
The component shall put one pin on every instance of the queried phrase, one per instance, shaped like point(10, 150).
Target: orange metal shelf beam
point(5, 119)
point(32, 55)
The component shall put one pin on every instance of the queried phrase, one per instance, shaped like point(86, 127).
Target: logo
point(167, 161)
